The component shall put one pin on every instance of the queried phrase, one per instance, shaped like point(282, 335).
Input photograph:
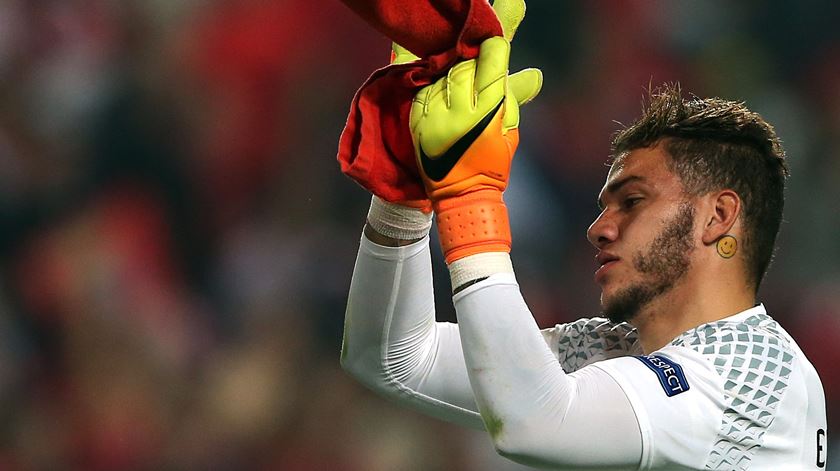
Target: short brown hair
point(715, 144)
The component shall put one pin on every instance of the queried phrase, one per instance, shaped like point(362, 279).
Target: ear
point(726, 207)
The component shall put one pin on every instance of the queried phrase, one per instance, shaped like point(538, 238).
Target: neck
point(687, 306)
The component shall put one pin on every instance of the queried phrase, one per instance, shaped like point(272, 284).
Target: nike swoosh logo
point(438, 168)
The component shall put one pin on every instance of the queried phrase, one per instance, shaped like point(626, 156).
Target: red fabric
point(375, 148)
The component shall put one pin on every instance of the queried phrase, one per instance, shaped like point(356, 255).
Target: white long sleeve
point(392, 343)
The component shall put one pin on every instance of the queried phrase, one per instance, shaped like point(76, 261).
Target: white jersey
point(730, 395)
point(733, 394)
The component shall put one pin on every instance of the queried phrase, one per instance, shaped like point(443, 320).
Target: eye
point(631, 201)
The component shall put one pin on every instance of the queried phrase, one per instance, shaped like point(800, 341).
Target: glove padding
point(465, 129)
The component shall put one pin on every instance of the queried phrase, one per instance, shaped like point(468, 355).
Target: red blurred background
point(177, 240)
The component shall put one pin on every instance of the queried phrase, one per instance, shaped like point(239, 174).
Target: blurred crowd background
point(176, 239)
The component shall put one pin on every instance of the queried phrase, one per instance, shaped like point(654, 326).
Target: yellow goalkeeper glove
point(465, 129)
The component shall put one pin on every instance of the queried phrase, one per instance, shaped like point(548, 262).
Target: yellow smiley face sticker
point(727, 246)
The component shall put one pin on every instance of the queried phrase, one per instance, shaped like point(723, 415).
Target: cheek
point(637, 233)
point(642, 226)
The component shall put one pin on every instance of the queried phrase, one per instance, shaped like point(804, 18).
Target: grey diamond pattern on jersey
point(754, 359)
point(589, 340)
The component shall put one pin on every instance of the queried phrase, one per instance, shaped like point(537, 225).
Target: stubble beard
point(662, 266)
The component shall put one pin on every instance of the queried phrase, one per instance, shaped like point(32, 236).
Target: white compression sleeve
point(535, 412)
point(392, 343)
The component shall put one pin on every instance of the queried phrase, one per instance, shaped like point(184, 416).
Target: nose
point(602, 231)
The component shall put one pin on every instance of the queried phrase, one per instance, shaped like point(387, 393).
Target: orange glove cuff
point(476, 222)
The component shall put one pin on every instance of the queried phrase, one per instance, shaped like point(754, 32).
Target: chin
point(621, 303)
point(608, 292)
point(606, 302)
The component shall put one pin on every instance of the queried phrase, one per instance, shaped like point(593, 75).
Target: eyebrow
point(616, 185)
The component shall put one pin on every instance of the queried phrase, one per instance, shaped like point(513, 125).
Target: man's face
point(644, 234)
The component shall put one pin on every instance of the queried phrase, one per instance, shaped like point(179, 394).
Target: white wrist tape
point(478, 266)
point(397, 221)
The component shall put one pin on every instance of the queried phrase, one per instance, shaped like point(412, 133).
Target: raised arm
point(535, 412)
point(392, 343)
point(465, 130)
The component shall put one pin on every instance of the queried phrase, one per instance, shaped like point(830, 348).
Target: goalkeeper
point(685, 370)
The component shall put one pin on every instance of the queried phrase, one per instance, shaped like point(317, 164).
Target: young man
point(687, 370)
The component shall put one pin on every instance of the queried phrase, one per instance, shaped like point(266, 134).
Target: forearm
point(392, 343)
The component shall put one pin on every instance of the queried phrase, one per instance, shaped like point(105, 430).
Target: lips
point(605, 261)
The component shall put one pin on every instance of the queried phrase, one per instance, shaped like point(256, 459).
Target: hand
point(465, 129)
point(465, 126)
point(401, 55)
point(403, 222)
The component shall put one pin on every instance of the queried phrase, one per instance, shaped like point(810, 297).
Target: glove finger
point(459, 86)
point(491, 71)
point(401, 55)
point(419, 105)
point(510, 120)
point(510, 14)
point(525, 85)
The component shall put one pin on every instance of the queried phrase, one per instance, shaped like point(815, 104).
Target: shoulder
point(729, 388)
point(753, 357)
point(747, 348)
